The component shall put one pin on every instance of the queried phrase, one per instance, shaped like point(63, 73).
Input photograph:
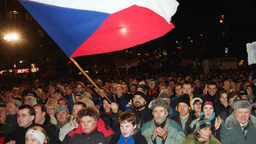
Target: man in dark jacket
point(212, 93)
point(239, 127)
point(110, 115)
point(43, 118)
point(143, 114)
point(91, 129)
point(184, 118)
point(25, 118)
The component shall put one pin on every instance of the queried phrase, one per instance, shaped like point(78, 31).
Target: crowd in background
point(147, 108)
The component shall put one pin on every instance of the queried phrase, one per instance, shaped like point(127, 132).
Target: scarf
point(210, 119)
point(123, 140)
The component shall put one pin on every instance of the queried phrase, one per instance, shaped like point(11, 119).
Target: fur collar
point(231, 122)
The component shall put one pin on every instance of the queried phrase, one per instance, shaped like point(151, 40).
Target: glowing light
point(221, 21)
point(11, 37)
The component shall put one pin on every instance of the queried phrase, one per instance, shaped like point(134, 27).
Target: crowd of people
point(156, 109)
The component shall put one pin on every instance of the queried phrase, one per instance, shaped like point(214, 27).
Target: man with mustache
point(161, 129)
point(139, 108)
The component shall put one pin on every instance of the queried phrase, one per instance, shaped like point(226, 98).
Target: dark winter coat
point(111, 120)
point(19, 135)
point(146, 115)
point(101, 134)
point(47, 123)
point(231, 131)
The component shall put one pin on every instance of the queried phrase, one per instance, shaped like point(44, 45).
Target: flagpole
point(78, 66)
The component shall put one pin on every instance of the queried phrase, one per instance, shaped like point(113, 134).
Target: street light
point(12, 38)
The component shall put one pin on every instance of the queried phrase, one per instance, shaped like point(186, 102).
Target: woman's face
point(197, 106)
point(205, 133)
point(208, 111)
point(30, 139)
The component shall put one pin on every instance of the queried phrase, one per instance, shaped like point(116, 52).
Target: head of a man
point(25, 116)
point(183, 105)
point(187, 87)
point(77, 106)
point(106, 106)
point(139, 100)
point(162, 87)
point(160, 110)
point(8, 96)
point(88, 118)
point(80, 87)
point(128, 123)
point(172, 83)
point(12, 107)
point(30, 100)
point(63, 102)
point(125, 87)
point(68, 90)
point(212, 88)
point(62, 114)
point(178, 89)
point(40, 110)
point(133, 87)
point(58, 93)
point(242, 110)
point(119, 90)
point(151, 84)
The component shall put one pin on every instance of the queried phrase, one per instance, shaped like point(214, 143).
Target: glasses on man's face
point(23, 116)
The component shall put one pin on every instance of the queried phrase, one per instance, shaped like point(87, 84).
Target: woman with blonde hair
point(36, 135)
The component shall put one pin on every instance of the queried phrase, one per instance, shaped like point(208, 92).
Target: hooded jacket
point(101, 134)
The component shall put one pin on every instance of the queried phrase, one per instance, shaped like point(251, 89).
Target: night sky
point(200, 20)
point(197, 20)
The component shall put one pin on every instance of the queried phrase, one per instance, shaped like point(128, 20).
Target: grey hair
point(31, 100)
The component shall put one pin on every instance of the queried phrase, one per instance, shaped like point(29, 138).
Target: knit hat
point(202, 123)
point(241, 103)
point(185, 99)
point(17, 102)
point(143, 95)
point(208, 102)
point(193, 100)
point(142, 86)
point(163, 95)
point(61, 109)
point(152, 81)
point(51, 103)
point(243, 92)
point(133, 84)
point(247, 87)
point(160, 103)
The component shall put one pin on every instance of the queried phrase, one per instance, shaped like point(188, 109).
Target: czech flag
point(88, 27)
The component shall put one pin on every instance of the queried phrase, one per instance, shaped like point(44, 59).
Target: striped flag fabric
point(88, 27)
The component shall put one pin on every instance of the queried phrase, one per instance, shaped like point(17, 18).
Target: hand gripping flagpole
point(78, 66)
